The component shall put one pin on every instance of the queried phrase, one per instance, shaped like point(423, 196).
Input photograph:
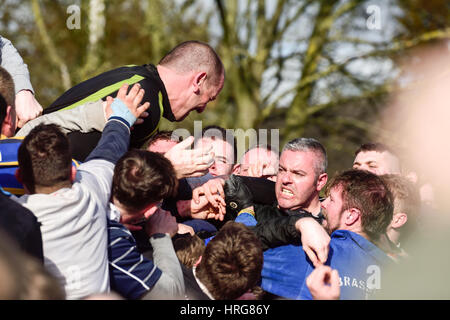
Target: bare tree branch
point(50, 46)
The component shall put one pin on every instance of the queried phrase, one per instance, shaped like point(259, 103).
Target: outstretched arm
point(27, 107)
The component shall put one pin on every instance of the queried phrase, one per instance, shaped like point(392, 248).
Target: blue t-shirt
point(358, 261)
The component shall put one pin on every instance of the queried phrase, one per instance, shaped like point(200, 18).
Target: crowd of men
point(98, 202)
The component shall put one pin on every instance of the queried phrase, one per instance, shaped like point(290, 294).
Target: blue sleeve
point(114, 142)
point(247, 219)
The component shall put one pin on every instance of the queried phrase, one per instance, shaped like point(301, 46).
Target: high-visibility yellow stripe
point(15, 191)
point(105, 91)
point(11, 163)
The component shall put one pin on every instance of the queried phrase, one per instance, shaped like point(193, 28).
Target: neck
point(48, 190)
point(384, 243)
point(314, 206)
point(393, 235)
point(172, 84)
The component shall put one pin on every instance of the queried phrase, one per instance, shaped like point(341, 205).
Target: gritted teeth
point(287, 192)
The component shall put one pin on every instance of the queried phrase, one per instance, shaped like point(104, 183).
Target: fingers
point(196, 194)
point(137, 98)
point(122, 93)
point(134, 92)
point(322, 254)
point(312, 256)
point(185, 144)
point(132, 227)
point(323, 283)
point(150, 212)
point(334, 276)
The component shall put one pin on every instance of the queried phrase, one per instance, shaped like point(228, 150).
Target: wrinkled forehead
point(298, 160)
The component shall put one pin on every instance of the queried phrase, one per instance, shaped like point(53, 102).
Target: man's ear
point(9, 124)
point(18, 175)
point(322, 181)
point(199, 80)
point(351, 216)
point(236, 168)
point(398, 220)
point(73, 173)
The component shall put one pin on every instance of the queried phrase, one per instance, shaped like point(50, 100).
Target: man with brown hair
point(229, 267)
point(376, 158)
point(71, 204)
point(358, 210)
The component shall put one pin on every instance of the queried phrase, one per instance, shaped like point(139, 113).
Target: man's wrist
point(159, 235)
point(299, 223)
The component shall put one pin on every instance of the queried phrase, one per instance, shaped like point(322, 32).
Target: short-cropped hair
point(45, 157)
point(310, 145)
point(374, 146)
point(194, 55)
point(141, 178)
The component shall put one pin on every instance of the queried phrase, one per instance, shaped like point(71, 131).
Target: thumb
point(150, 212)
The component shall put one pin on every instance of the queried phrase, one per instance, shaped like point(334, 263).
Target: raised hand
point(190, 162)
point(237, 195)
point(132, 100)
point(323, 283)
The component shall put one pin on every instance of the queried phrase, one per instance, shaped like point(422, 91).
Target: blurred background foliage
point(316, 68)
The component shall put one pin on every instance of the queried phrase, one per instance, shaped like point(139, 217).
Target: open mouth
point(287, 192)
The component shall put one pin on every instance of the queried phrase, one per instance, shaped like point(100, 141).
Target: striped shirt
point(131, 275)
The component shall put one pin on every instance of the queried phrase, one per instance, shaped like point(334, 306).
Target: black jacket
point(22, 226)
point(107, 84)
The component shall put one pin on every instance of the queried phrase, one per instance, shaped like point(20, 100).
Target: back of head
point(162, 141)
point(142, 178)
point(45, 157)
point(232, 262)
point(368, 193)
point(189, 249)
point(7, 93)
point(310, 145)
point(406, 200)
point(194, 56)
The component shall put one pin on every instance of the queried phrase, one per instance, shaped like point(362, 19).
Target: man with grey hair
point(301, 176)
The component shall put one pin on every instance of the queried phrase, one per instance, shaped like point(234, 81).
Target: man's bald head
point(195, 56)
